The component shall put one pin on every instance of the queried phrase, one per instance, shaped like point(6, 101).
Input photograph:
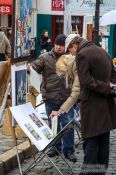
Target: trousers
point(66, 144)
point(96, 155)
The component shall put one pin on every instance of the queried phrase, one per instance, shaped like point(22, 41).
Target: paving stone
point(45, 168)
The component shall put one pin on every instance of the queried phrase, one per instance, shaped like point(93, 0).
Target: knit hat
point(69, 39)
point(60, 40)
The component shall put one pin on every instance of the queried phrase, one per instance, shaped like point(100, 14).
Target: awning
point(6, 6)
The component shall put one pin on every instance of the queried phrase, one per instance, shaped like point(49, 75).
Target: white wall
point(4, 20)
point(34, 4)
point(77, 8)
point(44, 7)
point(34, 18)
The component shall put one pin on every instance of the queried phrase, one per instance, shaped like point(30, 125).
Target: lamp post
point(96, 28)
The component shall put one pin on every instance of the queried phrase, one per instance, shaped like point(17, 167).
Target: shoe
point(52, 153)
point(71, 157)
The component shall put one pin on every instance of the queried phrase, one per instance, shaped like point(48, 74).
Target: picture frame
point(19, 84)
point(21, 30)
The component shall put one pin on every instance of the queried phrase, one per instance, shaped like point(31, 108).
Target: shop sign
point(86, 2)
point(5, 9)
point(57, 5)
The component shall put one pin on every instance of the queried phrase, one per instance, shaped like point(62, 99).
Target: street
point(45, 168)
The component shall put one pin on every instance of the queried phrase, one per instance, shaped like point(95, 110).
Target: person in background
point(9, 35)
point(98, 109)
point(55, 92)
point(45, 41)
point(5, 48)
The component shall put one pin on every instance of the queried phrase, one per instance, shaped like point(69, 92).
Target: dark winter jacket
point(53, 87)
point(44, 42)
point(95, 70)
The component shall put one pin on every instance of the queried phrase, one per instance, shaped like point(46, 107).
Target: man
point(5, 48)
point(55, 93)
point(98, 109)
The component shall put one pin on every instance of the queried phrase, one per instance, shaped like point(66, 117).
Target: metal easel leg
point(69, 167)
point(53, 163)
point(34, 163)
point(18, 159)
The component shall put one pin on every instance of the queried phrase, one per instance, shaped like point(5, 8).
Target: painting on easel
point(19, 84)
point(20, 79)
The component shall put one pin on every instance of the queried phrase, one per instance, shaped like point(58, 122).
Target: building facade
point(50, 16)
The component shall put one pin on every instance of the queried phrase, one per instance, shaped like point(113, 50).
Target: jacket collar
point(52, 53)
point(84, 43)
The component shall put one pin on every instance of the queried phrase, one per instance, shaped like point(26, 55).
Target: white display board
point(35, 79)
point(34, 126)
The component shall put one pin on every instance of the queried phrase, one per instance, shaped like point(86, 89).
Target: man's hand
point(112, 85)
point(54, 113)
point(28, 67)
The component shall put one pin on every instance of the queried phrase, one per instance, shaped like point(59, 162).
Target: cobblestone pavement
point(45, 168)
point(6, 142)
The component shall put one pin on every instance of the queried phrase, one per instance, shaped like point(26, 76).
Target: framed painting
point(19, 84)
point(21, 30)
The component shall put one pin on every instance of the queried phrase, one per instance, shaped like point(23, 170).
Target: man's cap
point(69, 39)
point(60, 40)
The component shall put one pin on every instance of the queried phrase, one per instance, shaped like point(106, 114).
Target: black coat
point(98, 110)
point(44, 42)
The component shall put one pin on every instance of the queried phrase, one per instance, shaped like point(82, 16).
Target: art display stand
point(14, 135)
point(44, 149)
point(6, 130)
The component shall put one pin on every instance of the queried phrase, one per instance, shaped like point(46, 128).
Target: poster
point(35, 79)
point(19, 84)
point(22, 18)
point(33, 125)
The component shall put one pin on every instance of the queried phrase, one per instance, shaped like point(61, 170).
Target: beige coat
point(74, 96)
point(4, 44)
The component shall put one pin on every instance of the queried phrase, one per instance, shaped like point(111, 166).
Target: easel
point(16, 144)
point(43, 151)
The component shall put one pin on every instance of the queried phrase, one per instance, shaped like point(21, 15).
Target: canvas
point(19, 84)
point(21, 30)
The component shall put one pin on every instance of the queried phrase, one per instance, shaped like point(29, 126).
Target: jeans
point(66, 144)
point(96, 154)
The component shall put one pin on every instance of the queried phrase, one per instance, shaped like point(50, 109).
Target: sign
point(87, 7)
point(88, 2)
point(57, 5)
point(5, 9)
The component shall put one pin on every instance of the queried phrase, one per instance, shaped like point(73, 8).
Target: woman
point(45, 41)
